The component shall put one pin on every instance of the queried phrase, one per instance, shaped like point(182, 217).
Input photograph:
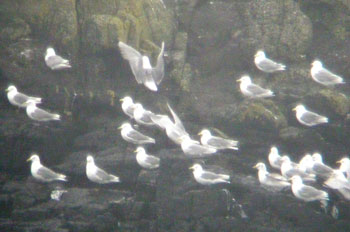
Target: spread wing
point(158, 71)
point(47, 174)
point(256, 90)
point(134, 58)
point(178, 122)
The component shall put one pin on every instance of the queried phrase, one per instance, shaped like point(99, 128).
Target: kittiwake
point(309, 118)
point(272, 181)
point(38, 114)
point(131, 135)
point(251, 90)
point(145, 160)
point(288, 170)
point(42, 173)
point(208, 178)
point(193, 149)
point(55, 62)
point(96, 174)
point(265, 64)
point(216, 142)
point(275, 159)
point(141, 66)
point(19, 99)
point(128, 106)
point(323, 76)
point(143, 116)
point(345, 166)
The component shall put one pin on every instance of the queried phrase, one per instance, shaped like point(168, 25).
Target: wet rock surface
point(209, 45)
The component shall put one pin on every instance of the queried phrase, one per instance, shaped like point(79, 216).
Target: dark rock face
point(209, 45)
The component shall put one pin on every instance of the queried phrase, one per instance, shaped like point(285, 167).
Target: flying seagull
point(19, 99)
point(249, 89)
point(96, 174)
point(128, 106)
point(208, 178)
point(42, 173)
point(141, 66)
point(145, 160)
point(309, 118)
point(38, 114)
point(308, 193)
point(273, 181)
point(55, 62)
point(216, 142)
point(265, 64)
point(131, 135)
point(323, 76)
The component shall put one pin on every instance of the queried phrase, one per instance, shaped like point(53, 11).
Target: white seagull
point(251, 90)
point(42, 173)
point(141, 66)
point(275, 159)
point(19, 99)
point(145, 160)
point(265, 64)
point(309, 118)
point(337, 180)
point(288, 170)
point(54, 61)
point(306, 163)
point(345, 166)
point(323, 76)
point(128, 106)
point(271, 180)
point(319, 168)
point(208, 178)
point(38, 114)
point(161, 120)
point(308, 193)
point(131, 135)
point(96, 174)
point(216, 142)
point(194, 149)
point(143, 116)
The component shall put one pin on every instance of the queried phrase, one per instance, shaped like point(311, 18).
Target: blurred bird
point(131, 135)
point(309, 118)
point(38, 114)
point(249, 89)
point(275, 159)
point(216, 142)
point(273, 181)
point(323, 76)
point(19, 99)
point(265, 64)
point(96, 174)
point(42, 173)
point(208, 178)
point(145, 160)
point(128, 106)
point(54, 61)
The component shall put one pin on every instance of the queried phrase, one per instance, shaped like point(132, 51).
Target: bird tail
point(62, 177)
point(36, 99)
point(114, 178)
point(151, 85)
point(324, 120)
point(63, 66)
point(151, 140)
point(56, 117)
point(282, 67)
point(225, 177)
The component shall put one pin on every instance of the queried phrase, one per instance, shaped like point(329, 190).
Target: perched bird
point(216, 142)
point(128, 106)
point(131, 135)
point(308, 193)
point(208, 178)
point(38, 114)
point(306, 163)
point(337, 180)
point(96, 174)
point(265, 64)
point(141, 66)
point(345, 166)
point(19, 99)
point(319, 168)
point(251, 90)
point(273, 181)
point(323, 76)
point(143, 116)
point(309, 118)
point(275, 159)
point(42, 173)
point(54, 61)
point(288, 170)
point(194, 149)
point(145, 160)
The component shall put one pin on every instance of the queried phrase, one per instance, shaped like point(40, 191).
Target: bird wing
point(220, 142)
point(324, 75)
point(47, 174)
point(152, 160)
point(20, 98)
point(134, 58)
point(269, 65)
point(211, 175)
point(178, 122)
point(256, 90)
point(322, 169)
point(40, 114)
point(135, 135)
point(158, 71)
point(310, 117)
point(276, 177)
point(199, 149)
point(102, 175)
point(146, 117)
point(309, 192)
point(54, 61)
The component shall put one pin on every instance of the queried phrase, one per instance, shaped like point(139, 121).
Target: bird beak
point(121, 100)
point(294, 109)
point(338, 162)
point(29, 159)
point(6, 90)
point(200, 133)
point(119, 128)
point(239, 80)
point(135, 151)
point(190, 167)
point(255, 166)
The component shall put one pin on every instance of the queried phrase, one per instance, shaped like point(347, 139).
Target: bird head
point(90, 159)
point(33, 158)
point(124, 125)
point(260, 53)
point(317, 64)
point(296, 179)
point(245, 79)
point(50, 52)
point(204, 132)
point(300, 108)
point(260, 166)
point(195, 167)
point(126, 99)
point(11, 88)
point(139, 149)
